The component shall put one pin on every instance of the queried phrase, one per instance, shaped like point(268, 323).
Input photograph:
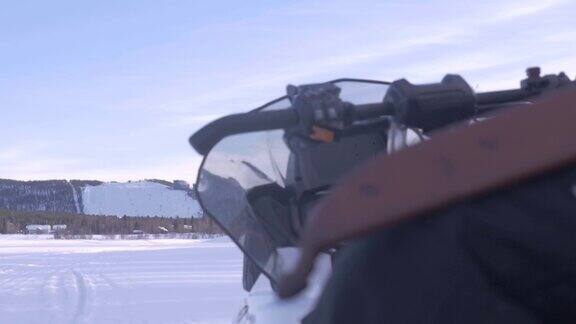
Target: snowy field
point(119, 281)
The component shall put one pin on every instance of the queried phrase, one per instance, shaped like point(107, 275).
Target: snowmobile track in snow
point(82, 297)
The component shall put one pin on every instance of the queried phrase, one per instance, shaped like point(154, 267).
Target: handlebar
point(504, 96)
point(368, 111)
point(208, 136)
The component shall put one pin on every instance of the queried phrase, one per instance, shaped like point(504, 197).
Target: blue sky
point(111, 90)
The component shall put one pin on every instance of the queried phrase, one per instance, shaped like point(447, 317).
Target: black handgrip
point(205, 138)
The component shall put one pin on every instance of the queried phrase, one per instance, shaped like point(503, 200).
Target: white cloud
point(10, 153)
point(567, 36)
point(38, 168)
point(522, 9)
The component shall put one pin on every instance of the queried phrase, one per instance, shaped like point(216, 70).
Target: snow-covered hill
point(140, 198)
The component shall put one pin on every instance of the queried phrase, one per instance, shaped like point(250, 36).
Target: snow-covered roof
point(35, 227)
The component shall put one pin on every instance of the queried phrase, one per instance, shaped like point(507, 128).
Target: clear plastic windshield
point(242, 162)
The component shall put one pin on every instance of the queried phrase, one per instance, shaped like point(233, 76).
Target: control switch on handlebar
point(318, 105)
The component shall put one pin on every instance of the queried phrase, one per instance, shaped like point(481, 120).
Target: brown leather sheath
point(457, 163)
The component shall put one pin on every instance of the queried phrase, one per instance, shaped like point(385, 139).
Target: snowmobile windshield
point(240, 163)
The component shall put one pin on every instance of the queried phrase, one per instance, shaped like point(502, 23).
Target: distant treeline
point(51, 195)
point(12, 222)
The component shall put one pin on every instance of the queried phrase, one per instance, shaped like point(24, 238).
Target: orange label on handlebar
point(322, 134)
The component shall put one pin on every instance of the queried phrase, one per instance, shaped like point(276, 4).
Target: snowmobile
point(267, 172)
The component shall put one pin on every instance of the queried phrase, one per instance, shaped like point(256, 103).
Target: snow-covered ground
point(139, 198)
point(119, 281)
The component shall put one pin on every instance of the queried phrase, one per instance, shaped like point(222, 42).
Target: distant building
point(137, 232)
point(38, 229)
point(188, 227)
point(60, 228)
